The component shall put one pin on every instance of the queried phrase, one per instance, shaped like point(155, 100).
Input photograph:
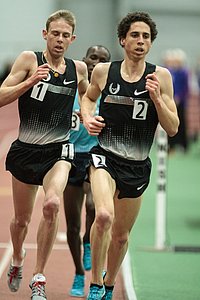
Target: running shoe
point(96, 292)
point(14, 278)
point(77, 289)
point(37, 286)
point(87, 263)
point(15, 275)
point(108, 292)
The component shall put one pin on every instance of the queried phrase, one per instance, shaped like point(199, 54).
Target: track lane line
point(6, 258)
point(127, 278)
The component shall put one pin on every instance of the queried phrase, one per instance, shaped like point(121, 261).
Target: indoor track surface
point(60, 268)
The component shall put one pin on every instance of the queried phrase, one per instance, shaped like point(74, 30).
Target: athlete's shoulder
point(26, 61)
point(80, 66)
point(101, 69)
point(165, 78)
point(162, 71)
point(29, 55)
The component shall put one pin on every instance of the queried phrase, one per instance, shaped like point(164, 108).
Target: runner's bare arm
point(92, 123)
point(82, 75)
point(160, 87)
point(24, 74)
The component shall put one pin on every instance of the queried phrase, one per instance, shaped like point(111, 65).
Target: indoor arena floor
point(169, 274)
point(60, 269)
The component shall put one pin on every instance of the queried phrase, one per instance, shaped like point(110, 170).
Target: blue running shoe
point(96, 292)
point(104, 274)
point(77, 289)
point(108, 293)
point(87, 262)
point(108, 290)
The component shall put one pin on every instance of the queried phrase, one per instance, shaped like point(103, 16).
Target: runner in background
point(77, 187)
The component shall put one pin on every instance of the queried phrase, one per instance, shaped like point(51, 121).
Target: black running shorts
point(79, 174)
point(131, 177)
point(29, 163)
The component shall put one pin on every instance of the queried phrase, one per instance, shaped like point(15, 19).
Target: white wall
point(22, 21)
point(178, 23)
point(96, 24)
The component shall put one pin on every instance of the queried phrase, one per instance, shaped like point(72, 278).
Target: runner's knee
point(104, 220)
point(51, 208)
point(21, 221)
point(120, 239)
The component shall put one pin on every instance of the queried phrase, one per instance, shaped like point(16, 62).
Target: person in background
point(77, 187)
point(45, 84)
point(175, 61)
point(196, 135)
point(197, 73)
point(135, 96)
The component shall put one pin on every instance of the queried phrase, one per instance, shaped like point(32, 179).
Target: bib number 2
point(140, 110)
point(99, 160)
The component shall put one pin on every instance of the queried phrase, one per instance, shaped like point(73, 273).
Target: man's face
point(95, 56)
point(138, 40)
point(59, 36)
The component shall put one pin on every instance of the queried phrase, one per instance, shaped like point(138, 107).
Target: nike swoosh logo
point(140, 187)
point(136, 93)
point(68, 82)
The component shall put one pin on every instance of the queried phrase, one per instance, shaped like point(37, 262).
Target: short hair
point(99, 47)
point(130, 18)
point(62, 14)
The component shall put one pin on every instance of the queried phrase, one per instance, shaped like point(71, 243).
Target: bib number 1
point(39, 91)
point(67, 151)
